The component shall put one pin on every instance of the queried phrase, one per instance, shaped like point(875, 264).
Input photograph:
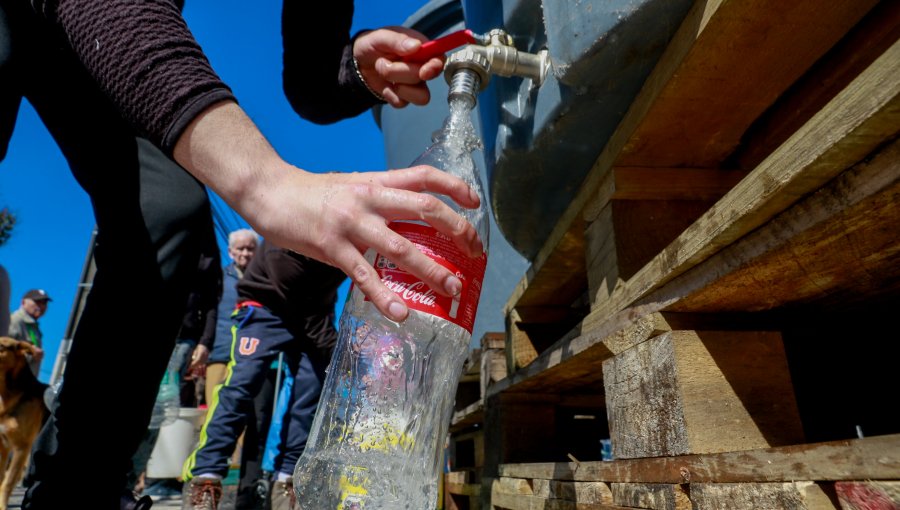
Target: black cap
point(37, 295)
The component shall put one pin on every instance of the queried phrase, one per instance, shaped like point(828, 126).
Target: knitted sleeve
point(319, 77)
point(144, 58)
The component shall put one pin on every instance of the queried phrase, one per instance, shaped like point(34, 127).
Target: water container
point(540, 143)
point(175, 443)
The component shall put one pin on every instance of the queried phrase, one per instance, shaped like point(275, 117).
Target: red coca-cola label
point(459, 310)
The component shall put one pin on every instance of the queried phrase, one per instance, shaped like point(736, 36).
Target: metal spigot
point(468, 73)
point(496, 55)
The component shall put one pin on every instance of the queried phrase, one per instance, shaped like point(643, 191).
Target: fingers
point(366, 279)
point(426, 178)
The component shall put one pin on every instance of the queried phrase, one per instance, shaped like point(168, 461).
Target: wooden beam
point(700, 392)
point(658, 496)
point(734, 70)
point(840, 244)
point(851, 126)
point(574, 361)
point(784, 495)
point(877, 31)
point(871, 458)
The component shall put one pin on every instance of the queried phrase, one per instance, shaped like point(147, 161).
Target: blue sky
point(243, 42)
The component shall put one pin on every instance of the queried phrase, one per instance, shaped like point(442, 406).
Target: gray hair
point(235, 234)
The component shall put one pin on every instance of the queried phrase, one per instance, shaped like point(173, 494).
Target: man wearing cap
point(23, 324)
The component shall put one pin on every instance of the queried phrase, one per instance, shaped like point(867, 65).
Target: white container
point(175, 443)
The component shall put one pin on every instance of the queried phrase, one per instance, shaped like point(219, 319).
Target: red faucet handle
point(441, 45)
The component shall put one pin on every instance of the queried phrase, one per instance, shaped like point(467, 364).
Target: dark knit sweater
point(299, 290)
point(145, 59)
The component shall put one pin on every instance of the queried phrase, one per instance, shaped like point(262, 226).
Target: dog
point(22, 412)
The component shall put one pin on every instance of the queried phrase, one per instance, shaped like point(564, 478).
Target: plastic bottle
point(377, 439)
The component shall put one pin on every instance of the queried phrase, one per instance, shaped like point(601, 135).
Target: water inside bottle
point(376, 442)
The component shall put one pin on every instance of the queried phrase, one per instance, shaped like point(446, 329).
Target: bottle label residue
point(459, 310)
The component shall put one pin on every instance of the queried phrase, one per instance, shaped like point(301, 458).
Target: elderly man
point(23, 324)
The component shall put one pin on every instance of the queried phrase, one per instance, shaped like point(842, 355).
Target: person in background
point(23, 324)
point(125, 90)
point(286, 304)
point(212, 357)
point(214, 351)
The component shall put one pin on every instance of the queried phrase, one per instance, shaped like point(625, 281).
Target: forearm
point(319, 78)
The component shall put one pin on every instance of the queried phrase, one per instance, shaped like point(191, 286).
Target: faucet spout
point(495, 54)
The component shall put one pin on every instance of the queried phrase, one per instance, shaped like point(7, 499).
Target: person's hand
point(37, 354)
point(380, 53)
point(333, 217)
point(198, 360)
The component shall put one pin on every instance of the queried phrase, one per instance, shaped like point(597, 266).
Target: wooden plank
point(575, 362)
point(869, 495)
point(493, 365)
point(661, 183)
point(655, 496)
point(850, 127)
point(863, 44)
point(504, 501)
point(840, 244)
point(783, 496)
point(582, 492)
point(733, 72)
point(870, 458)
point(700, 392)
point(463, 489)
point(467, 417)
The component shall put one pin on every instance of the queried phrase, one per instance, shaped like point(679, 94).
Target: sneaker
point(283, 497)
point(202, 494)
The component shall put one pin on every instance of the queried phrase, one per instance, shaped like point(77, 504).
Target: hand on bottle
point(380, 53)
point(333, 217)
point(336, 217)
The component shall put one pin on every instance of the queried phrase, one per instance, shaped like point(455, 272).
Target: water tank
point(540, 143)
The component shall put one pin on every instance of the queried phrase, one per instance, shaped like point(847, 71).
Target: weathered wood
point(761, 496)
point(829, 75)
point(841, 243)
point(520, 352)
point(700, 36)
point(869, 495)
point(575, 362)
point(470, 415)
point(463, 489)
point(700, 392)
point(504, 501)
point(871, 458)
point(582, 492)
point(629, 233)
point(855, 122)
point(519, 428)
point(658, 496)
point(734, 70)
point(493, 360)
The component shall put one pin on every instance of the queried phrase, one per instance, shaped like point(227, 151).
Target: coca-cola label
point(459, 310)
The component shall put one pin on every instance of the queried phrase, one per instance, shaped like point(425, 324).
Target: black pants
point(153, 222)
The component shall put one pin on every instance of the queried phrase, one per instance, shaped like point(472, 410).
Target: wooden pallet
point(748, 193)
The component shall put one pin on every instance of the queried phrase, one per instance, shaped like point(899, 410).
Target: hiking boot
point(283, 497)
point(202, 494)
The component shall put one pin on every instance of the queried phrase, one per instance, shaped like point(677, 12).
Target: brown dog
point(22, 411)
